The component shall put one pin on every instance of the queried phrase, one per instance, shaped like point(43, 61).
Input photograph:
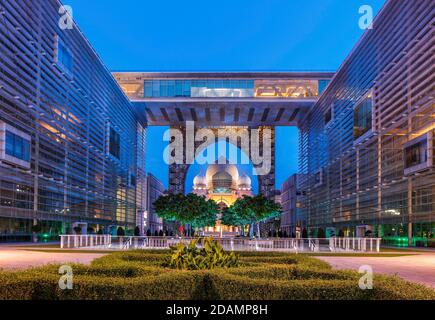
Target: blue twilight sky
point(222, 35)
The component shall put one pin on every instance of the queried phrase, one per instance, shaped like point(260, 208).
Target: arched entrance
point(266, 182)
point(222, 182)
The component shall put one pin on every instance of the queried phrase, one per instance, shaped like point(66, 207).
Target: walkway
point(418, 268)
point(14, 258)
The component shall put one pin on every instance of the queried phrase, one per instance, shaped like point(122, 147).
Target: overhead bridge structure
point(253, 100)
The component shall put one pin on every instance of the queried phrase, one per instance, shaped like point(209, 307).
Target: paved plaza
point(15, 258)
point(419, 268)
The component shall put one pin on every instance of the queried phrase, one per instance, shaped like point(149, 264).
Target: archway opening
point(225, 180)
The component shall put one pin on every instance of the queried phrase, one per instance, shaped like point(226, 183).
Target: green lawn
point(140, 275)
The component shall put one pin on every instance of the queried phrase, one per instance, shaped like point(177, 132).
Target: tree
point(204, 211)
point(78, 229)
point(190, 210)
point(251, 210)
point(237, 215)
point(120, 232)
point(262, 209)
point(321, 233)
point(37, 228)
point(168, 206)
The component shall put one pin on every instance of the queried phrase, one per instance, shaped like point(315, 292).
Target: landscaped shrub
point(191, 257)
point(140, 275)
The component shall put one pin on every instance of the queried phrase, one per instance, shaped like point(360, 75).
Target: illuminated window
point(206, 88)
point(416, 154)
point(362, 117)
point(294, 89)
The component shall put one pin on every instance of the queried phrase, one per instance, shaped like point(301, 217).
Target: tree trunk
point(258, 230)
point(251, 229)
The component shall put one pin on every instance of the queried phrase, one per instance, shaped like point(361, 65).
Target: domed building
point(223, 184)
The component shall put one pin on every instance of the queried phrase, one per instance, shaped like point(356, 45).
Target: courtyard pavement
point(15, 258)
point(419, 268)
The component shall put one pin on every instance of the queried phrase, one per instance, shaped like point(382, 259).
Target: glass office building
point(72, 139)
point(71, 147)
point(367, 151)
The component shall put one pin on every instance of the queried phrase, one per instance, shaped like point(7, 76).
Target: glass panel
point(26, 150)
point(148, 89)
point(114, 144)
point(171, 88)
point(186, 88)
point(163, 89)
point(362, 117)
point(178, 88)
point(296, 89)
point(10, 143)
point(156, 88)
point(18, 147)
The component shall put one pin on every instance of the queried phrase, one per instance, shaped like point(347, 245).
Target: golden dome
point(200, 181)
point(245, 181)
point(228, 168)
point(222, 180)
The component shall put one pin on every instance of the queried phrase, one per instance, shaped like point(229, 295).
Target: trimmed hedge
point(139, 275)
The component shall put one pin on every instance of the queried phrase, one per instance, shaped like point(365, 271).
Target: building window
point(322, 85)
point(206, 88)
point(132, 180)
point(416, 154)
point(362, 117)
point(64, 56)
point(115, 143)
point(17, 147)
point(329, 115)
point(318, 178)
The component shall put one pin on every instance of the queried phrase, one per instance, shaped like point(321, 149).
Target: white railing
point(108, 242)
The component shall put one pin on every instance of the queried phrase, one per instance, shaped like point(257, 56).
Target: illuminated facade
point(71, 147)
point(367, 150)
point(72, 136)
point(292, 221)
point(223, 184)
point(154, 189)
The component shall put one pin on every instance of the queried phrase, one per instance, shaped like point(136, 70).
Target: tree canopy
point(250, 210)
point(188, 209)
